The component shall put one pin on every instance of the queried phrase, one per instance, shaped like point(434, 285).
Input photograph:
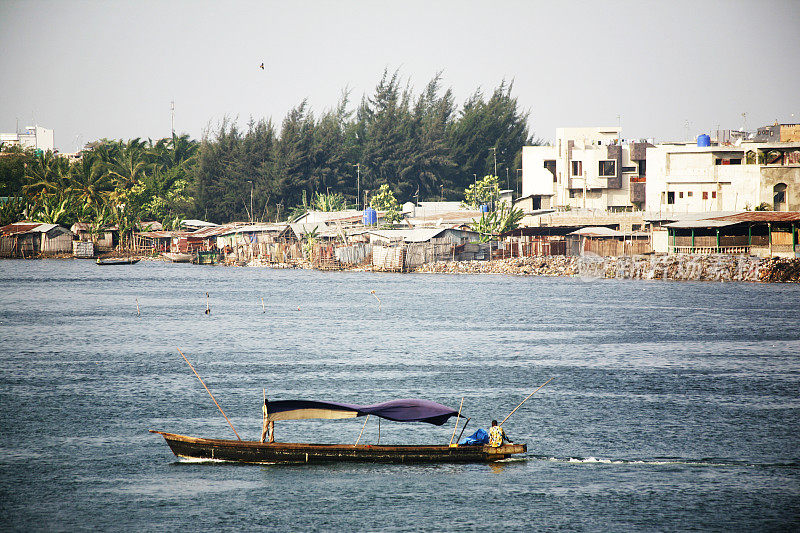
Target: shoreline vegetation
point(590, 267)
point(421, 146)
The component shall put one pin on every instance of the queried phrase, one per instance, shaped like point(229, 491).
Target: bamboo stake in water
point(526, 399)
point(457, 417)
point(208, 306)
point(209, 393)
point(376, 297)
point(262, 305)
point(137, 308)
point(362, 431)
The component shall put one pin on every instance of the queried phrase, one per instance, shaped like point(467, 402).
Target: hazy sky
point(110, 69)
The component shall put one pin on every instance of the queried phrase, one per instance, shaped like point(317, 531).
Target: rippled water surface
point(673, 406)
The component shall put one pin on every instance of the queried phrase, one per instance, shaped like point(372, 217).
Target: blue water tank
point(370, 217)
point(703, 140)
point(484, 208)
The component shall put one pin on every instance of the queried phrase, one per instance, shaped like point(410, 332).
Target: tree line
point(417, 146)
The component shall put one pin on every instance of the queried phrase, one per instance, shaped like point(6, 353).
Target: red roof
point(762, 216)
point(19, 227)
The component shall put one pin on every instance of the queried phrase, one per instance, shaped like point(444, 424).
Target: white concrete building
point(694, 179)
point(585, 168)
point(34, 137)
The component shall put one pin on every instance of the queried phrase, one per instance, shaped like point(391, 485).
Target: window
point(705, 195)
point(577, 168)
point(607, 168)
point(670, 197)
point(629, 169)
point(550, 164)
point(680, 194)
point(779, 197)
point(642, 168)
point(689, 194)
point(713, 194)
point(736, 161)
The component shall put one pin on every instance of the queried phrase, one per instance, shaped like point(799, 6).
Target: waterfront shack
point(607, 242)
point(104, 238)
point(760, 233)
point(32, 239)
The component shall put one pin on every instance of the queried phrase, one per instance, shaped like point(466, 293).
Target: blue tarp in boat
point(408, 410)
point(479, 437)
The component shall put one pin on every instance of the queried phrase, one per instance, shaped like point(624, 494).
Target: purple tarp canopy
point(409, 410)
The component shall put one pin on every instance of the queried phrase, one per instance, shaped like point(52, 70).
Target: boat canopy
point(409, 410)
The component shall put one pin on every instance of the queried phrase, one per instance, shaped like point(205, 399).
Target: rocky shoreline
point(673, 267)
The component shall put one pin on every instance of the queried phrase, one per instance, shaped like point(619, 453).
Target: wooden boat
point(177, 257)
point(206, 258)
point(289, 452)
point(408, 410)
point(119, 261)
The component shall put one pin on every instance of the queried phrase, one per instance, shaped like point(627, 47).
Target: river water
point(673, 406)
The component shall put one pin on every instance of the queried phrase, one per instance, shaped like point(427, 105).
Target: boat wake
point(659, 461)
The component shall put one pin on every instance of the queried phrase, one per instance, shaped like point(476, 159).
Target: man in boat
point(269, 425)
point(497, 435)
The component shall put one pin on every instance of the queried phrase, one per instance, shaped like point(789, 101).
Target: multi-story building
point(34, 137)
point(585, 168)
point(695, 178)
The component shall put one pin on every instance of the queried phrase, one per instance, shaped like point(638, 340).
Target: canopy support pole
point(362, 431)
point(457, 417)
point(462, 430)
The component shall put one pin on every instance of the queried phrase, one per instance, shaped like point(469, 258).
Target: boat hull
point(177, 257)
point(295, 453)
point(107, 262)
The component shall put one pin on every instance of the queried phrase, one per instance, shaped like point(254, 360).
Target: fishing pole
point(526, 399)
point(209, 393)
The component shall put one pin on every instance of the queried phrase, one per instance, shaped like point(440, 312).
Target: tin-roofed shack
point(267, 243)
point(104, 238)
point(607, 242)
point(405, 249)
point(34, 239)
point(761, 233)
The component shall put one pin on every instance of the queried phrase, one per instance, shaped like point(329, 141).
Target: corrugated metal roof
point(18, 228)
point(702, 223)
point(762, 216)
point(253, 228)
point(597, 231)
point(197, 223)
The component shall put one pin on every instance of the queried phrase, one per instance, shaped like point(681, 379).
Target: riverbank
point(663, 267)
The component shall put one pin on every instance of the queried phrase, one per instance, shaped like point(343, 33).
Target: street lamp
point(495, 159)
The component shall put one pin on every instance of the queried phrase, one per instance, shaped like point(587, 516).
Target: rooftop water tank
point(370, 217)
point(703, 140)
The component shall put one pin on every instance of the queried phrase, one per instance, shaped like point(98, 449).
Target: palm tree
point(46, 175)
point(128, 163)
point(88, 181)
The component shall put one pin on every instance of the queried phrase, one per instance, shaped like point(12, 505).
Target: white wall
point(535, 178)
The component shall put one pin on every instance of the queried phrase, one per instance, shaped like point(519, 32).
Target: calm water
point(674, 406)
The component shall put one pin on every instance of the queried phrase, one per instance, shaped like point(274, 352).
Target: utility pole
point(172, 116)
point(519, 182)
point(358, 183)
point(495, 159)
point(251, 200)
